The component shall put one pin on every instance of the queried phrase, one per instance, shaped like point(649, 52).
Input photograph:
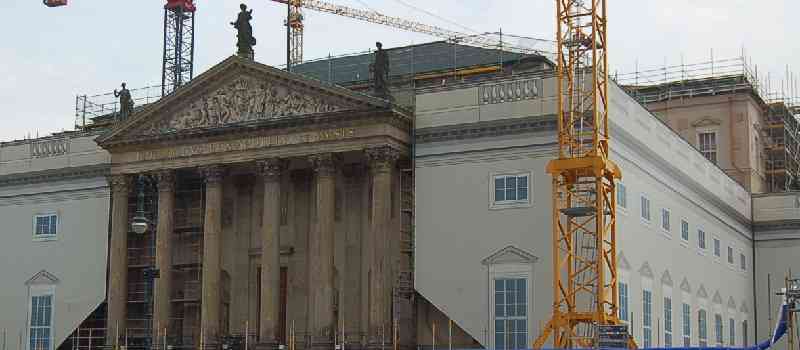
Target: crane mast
point(178, 60)
point(584, 198)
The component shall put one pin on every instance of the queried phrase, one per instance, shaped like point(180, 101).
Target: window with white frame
point(40, 329)
point(622, 195)
point(668, 322)
point(707, 143)
point(730, 255)
point(623, 301)
point(511, 313)
point(702, 331)
point(718, 329)
point(731, 332)
point(645, 208)
point(687, 325)
point(45, 226)
point(647, 317)
point(685, 230)
point(717, 247)
point(665, 219)
point(742, 262)
point(701, 239)
point(510, 189)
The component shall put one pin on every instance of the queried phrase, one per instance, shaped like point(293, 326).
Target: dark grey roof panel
point(436, 56)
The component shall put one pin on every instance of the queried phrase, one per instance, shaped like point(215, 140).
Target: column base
point(267, 345)
point(378, 346)
point(322, 344)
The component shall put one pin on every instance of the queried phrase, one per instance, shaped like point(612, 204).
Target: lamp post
point(140, 225)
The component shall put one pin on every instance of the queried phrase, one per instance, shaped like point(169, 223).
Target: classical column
point(118, 259)
point(212, 273)
point(381, 162)
point(271, 170)
point(163, 284)
point(321, 255)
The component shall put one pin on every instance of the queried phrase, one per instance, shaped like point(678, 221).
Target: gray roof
point(429, 57)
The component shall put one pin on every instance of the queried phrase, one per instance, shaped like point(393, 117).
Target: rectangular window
point(730, 255)
point(742, 262)
point(701, 239)
point(684, 230)
point(707, 143)
point(702, 331)
point(665, 219)
point(41, 317)
point(622, 195)
point(647, 317)
point(744, 333)
point(46, 226)
point(732, 332)
point(718, 329)
point(623, 301)
point(687, 325)
point(667, 322)
point(511, 189)
point(511, 313)
point(645, 208)
point(717, 248)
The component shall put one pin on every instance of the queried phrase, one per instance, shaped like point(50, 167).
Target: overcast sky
point(49, 55)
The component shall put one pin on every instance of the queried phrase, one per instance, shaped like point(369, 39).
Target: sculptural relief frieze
point(242, 100)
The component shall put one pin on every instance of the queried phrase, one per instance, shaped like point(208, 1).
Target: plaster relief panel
point(241, 100)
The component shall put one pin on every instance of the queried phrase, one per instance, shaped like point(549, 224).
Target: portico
point(277, 210)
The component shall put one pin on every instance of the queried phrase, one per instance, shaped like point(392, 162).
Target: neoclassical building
point(276, 195)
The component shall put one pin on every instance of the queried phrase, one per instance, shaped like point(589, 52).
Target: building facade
point(53, 209)
point(483, 233)
point(284, 209)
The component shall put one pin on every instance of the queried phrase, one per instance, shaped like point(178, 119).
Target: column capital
point(166, 180)
point(120, 183)
point(382, 158)
point(213, 174)
point(324, 164)
point(272, 168)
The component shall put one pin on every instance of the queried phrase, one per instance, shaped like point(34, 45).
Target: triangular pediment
point(701, 292)
point(510, 255)
point(239, 93)
point(42, 278)
point(685, 286)
point(731, 303)
point(666, 278)
point(717, 298)
point(645, 271)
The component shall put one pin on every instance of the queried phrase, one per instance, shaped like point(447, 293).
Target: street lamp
point(140, 225)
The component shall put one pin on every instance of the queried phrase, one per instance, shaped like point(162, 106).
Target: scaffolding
point(779, 103)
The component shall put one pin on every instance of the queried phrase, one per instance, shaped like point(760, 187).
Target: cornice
point(492, 128)
point(51, 175)
point(776, 225)
point(56, 196)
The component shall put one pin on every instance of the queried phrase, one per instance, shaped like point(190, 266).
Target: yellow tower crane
point(584, 198)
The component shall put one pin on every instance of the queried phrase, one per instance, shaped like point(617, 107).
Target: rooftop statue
point(380, 71)
point(245, 41)
point(125, 102)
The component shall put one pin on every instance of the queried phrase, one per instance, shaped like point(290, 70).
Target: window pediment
point(510, 255)
point(42, 278)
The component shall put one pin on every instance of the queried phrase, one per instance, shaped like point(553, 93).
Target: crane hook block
point(54, 3)
point(187, 5)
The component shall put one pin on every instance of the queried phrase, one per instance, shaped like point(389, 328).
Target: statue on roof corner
point(380, 72)
point(125, 102)
point(245, 41)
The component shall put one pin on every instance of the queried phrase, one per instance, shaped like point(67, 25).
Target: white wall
point(77, 255)
point(456, 229)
